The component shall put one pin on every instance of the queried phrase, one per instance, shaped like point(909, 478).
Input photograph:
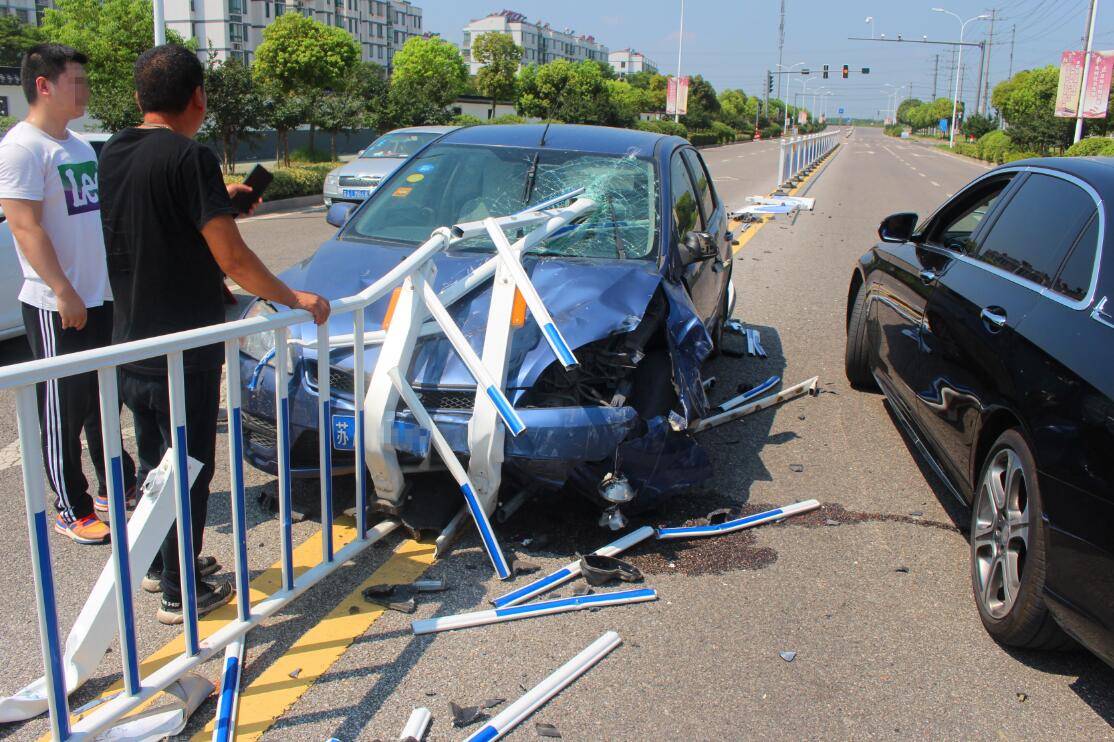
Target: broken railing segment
point(570, 571)
point(738, 524)
point(228, 701)
point(483, 525)
point(417, 725)
point(808, 386)
point(513, 715)
point(546, 608)
point(750, 394)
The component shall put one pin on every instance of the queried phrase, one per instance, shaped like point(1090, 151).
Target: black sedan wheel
point(856, 358)
point(1008, 549)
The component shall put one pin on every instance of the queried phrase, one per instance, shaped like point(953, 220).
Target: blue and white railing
point(798, 155)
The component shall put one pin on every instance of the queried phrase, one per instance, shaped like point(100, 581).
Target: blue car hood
point(588, 298)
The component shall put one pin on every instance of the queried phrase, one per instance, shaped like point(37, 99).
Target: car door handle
point(994, 318)
point(928, 276)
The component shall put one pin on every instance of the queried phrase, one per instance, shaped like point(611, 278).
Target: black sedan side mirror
point(698, 247)
point(898, 227)
point(338, 214)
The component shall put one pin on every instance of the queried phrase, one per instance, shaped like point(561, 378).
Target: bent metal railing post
point(68, 664)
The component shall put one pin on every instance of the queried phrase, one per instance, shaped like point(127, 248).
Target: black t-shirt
point(158, 189)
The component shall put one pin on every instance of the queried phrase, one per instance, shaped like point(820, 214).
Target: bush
point(993, 146)
point(7, 122)
point(967, 149)
point(703, 138)
point(291, 182)
point(304, 154)
point(724, 133)
point(669, 128)
point(465, 119)
point(1092, 147)
point(509, 118)
point(744, 135)
point(893, 131)
point(772, 131)
point(1015, 156)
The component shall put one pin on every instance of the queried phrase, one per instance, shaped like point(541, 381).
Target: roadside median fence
point(798, 156)
point(71, 660)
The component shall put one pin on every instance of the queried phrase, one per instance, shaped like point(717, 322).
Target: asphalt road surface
point(871, 592)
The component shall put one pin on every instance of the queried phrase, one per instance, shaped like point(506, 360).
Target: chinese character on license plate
point(355, 193)
point(344, 432)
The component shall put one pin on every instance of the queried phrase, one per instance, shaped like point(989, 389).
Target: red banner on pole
point(1098, 85)
point(1071, 80)
point(1096, 96)
point(677, 96)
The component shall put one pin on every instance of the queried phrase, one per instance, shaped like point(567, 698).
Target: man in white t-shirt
point(49, 193)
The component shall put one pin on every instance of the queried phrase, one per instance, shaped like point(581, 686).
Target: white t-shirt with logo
point(62, 173)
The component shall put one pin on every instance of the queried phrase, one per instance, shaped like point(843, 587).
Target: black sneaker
point(206, 567)
point(210, 596)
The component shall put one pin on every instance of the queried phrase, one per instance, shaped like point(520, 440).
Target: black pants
point(69, 405)
point(148, 398)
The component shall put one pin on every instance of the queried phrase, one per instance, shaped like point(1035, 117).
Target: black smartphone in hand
point(258, 180)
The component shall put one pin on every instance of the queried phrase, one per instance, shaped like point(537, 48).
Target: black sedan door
point(971, 340)
point(715, 224)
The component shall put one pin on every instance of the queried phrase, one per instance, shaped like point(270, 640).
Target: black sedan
point(989, 326)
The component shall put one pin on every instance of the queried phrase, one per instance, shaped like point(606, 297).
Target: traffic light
point(769, 82)
point(825, 72)
point(866, 70)
point(844, 72)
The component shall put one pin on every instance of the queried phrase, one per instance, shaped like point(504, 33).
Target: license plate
point(355, 192)
point(344, 432)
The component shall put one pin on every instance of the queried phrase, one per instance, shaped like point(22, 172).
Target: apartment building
point(27, 11)
point(540, 42)
point(628, 61)
point(234, 28)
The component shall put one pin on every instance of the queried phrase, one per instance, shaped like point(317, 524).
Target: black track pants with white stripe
point(69, 405)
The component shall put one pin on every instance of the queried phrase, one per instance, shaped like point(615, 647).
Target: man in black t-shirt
point(169, 238)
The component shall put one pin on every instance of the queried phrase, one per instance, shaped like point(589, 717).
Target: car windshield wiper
point(531, 175)
point(622, 253)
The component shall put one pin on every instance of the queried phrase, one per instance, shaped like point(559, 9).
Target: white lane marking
point(922, 175)
point(933, 182)
point(9, 454)
point(282, 214)
point(725, 177)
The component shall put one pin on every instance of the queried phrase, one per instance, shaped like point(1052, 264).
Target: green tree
point(112, 34)
point(905, 108)
point(358, 102)
point(235, 107)
point(500, 57)
point(429, 74)
point(301, 57)
point(976, 125)
point(282, 112)
point(733, 110)
point(1027, 102)
point(627, 102)
point(16, 37)
point(703, 105)
point(564, 91)
point(652, 82)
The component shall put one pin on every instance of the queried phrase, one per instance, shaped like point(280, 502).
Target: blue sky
point(733, 42)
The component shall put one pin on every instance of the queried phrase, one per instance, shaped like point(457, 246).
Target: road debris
point(738, 524)
point(599, 569)
point(570, 571)
point(749, 395)
point(491, 703)
point(399, 598)
point(903, 570)
point(545, 608)
point(228, 700)
point(788, 656)
point(547, 730)
point(808, 386)
point(417, 726)
point(465, 715)
point(796, 468)
point(518, 711)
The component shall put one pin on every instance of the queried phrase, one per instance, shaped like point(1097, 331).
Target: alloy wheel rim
point(1000, 538)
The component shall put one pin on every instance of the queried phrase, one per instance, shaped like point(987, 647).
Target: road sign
point(841, 110)
point(943, 125)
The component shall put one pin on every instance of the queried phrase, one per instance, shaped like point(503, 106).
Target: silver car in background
point(354, 181)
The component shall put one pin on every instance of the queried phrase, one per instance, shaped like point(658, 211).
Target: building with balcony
point(628, 61)
point(540, 42)
point(234, 28)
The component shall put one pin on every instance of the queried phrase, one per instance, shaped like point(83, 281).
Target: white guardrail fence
point(68, 665)
point(798, 155)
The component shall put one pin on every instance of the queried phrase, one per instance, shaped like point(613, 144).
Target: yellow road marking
point(291, 675)
point(305, 556)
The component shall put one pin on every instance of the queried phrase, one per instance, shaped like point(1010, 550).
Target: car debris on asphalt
point(599, 569)
point(738, 524)
point(417, 725)
point(545, 608)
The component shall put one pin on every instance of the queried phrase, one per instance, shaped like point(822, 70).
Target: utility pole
point(978, 84)
point(1090, 37)
point(677, 82)
point(989, 44)
point(780, 47)
point(1013, 36)
point(935, 76)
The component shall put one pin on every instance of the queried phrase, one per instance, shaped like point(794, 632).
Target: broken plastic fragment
point(615, 488)
point(719, 516)
point(677, 422)
point(599, 570)
point(379, 590)
point(788, 656)
point(463, 716)
point(525, 568)
point(613, 518)
point(493, 702)
point(903, 570)
point(429, 586)
point(735, 325)
point(796, 468)
point(547, 730)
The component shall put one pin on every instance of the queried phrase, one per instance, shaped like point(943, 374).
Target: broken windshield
point(451, 184)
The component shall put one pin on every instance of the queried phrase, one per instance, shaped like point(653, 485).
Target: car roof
point(1097, 171)
point(567, 137)
point(423, 129)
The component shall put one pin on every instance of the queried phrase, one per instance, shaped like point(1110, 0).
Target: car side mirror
point(698, 247)
point(898, 227)
point(338, 214)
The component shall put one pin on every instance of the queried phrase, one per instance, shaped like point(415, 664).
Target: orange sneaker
point(87, 530)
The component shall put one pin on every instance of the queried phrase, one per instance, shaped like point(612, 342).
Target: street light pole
point(677, 83)
point(958, 64)
point(870, 20)
point(785, 103)
point(1086, 70)
point(159, 13)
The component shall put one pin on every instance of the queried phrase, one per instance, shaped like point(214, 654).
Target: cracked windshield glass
point(455, 184)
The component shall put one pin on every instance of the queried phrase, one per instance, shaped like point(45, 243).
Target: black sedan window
point(686, 212)
point(1037, 228)
point(959, 221)
point(1074, 280)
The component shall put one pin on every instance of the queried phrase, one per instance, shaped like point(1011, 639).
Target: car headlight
point(262, 344)
point(332, 182)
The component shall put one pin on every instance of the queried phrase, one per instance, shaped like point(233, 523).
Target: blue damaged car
point(640, 290)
